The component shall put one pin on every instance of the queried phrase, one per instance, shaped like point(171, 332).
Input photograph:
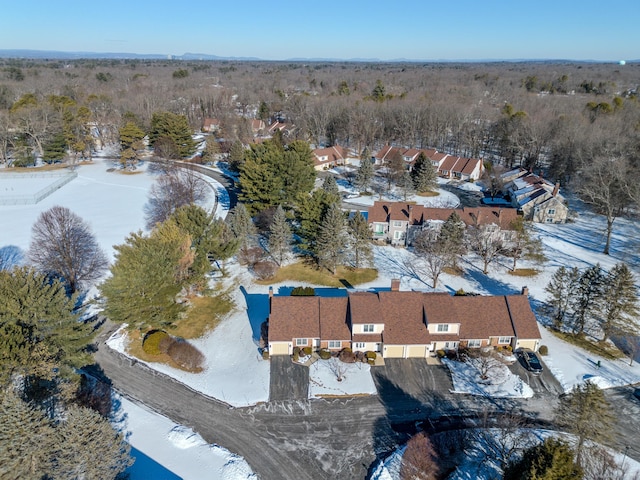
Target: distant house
point(538, 199)
point(401, 324)
point(398, 223)
point(211, 125)
point(329, 157)
point(257, 126)
point(448, 166)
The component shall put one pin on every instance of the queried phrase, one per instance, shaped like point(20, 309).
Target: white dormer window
point(504, 340)
point(397, 223)
point(368, 328)
point(551, 211)
point(301, 342)
point(443, 328)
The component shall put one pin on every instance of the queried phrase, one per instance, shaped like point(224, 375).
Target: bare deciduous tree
point(420, 459)
point(177, 187)
point(63, 245)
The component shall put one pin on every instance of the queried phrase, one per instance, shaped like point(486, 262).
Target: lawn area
point(605, 350)
point(303, 272)
point(427, 194)
point(524, 272)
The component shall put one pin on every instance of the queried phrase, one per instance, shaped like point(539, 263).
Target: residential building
point(398, 223)
point(538, 199)
point(399, 324)
point(329, 157)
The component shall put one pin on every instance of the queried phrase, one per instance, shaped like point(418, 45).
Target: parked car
point(531, 361)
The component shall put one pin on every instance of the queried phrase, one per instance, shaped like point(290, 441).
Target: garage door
point(393, 351)
point(416, 351)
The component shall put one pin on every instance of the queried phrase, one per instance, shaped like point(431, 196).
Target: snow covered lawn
point(500, 382)
point(172, 451)
point(356, 378)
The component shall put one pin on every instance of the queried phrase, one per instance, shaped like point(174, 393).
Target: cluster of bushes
point(301, 352)
point(303, 292)
point(188, 357)
point(543, 350)
point(254, 258)
point(345, 355)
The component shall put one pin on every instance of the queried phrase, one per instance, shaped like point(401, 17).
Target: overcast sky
point(411, 29)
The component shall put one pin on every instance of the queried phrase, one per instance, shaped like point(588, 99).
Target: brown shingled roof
point(403, 318)
point(333, 318)
point(483, 317)
point(294, 317)
point(364, 307)
point(523, 318)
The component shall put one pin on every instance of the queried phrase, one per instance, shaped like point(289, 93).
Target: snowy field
point(112, 203)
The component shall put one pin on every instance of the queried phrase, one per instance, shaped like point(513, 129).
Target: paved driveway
point(541, 384)
point(288, 381)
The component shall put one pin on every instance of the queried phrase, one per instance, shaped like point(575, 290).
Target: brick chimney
point(395, 284)
point(410, 208)
point(525, 290)
point(556, 188)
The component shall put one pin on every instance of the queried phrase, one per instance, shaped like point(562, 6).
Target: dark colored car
point(531, 361)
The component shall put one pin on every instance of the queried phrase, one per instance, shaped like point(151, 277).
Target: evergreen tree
point(174, 127)
point(405, 183)
point(273, 174)
point(131, 136)
point(236, 156)
point(81, 435)
point(330, 185)
point(523, 245)
point(586, 414)
point(39, 327)
point(424, 174)
point(26, 439)
point(619, 305)
point(55, 149)
point(365, 174)
point(146, 277)
point(360, 240)
point(279, 236)
point(562, 290)
point(207, 238)
point(311, 209)
point(332, 243)
point(589, 294)
point(552, 459)
point(241, 225)
point(451, 236)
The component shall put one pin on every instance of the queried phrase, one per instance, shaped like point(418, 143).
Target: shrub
point(296, 354)
point(307, 351)
point(543, 350)
point(250, 256)
point(165, 344)
point(440, 353)
point(265, 269)
point(324, 354)
point(186, 355)
point(460, 293)
point(372, 355)
point(303, 292)
point(151, 341)
point(265, 354)
point(347, 356)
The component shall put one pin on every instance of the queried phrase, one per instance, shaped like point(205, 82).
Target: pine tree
point(562, 290)
point(364, 175)
point(552, 459)
point(174, 127)
point(586, 414)
point(146, 277)
point(80, 436)
point(236, 156)
point(311, 209)
point(423, 174)
point(451, 237)
point(279, 236)
point(330, 185)
point(26, 439)
point(38, 323)
point(131, 136)
point(619, 304)
point(241, 225)
point(360, 240)
point(405, 183)
point(332, 243)
point(589, 294)
point(55, 149)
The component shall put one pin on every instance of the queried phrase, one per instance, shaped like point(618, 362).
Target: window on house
point(551, 211)
point(450, 345)
point(359, 345)
point(301, 342)
point(503, 340)
point(335, 344)
point(379, 228)
point(474, 343)
point(368, 328)
point(397, 223)
point(549, 220)
point(443, 327)
point(397, 235)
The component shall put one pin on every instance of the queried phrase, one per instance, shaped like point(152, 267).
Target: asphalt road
point(542, 383)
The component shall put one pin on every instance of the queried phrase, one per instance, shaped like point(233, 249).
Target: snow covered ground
point(112, 203)
point(355, 379)
point(500, 382)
